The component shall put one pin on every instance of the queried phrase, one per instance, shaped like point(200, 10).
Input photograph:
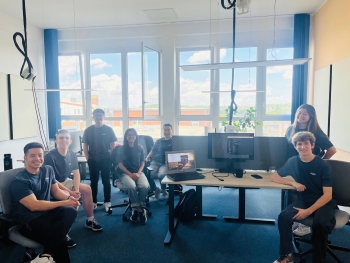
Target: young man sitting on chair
point(158, 160)
point(39, 218)
point(64, 162)
point(313, 182)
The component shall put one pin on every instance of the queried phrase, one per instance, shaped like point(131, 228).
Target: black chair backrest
point(147, 143)
point(114, 156)
point(341, 181)
point(6, 178)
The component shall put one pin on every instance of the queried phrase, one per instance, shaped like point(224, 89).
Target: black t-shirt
point(160, 147)
point(62, 165)
point(26, 184)
point(99, 139)
point(322, 142)
point(314, 175)
point(131, 158)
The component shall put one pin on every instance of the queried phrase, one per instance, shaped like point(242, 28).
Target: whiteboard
point(4, 109)
point(340, 120)
point(321, 96)
point(24, 122)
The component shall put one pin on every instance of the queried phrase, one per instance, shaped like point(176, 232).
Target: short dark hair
point(96, 111)
point(62, 131)
point(303, 137)
point(168, 124)
point(32, 145)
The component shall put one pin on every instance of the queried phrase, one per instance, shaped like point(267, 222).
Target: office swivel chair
point(341, 185)
point(9, 229)
point(116, 183)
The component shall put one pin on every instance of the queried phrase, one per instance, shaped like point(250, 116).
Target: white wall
point(10, 63)
point(167, 38)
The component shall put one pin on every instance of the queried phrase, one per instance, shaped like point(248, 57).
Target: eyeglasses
point(131, 135)
point(64, 138)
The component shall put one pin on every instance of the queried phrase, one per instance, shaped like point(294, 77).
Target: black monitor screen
point(231, 146)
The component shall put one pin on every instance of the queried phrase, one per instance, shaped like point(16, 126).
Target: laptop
point(181, 166)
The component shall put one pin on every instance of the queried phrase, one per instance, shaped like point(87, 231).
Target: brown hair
point(312, 124)
point(303, 137)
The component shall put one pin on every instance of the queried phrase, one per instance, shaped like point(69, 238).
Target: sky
point(106, 79)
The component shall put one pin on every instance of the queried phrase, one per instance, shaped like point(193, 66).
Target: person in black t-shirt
point(157, 154)
point(313, 182)
point(99, 141)
point(64, 162)
point(306, 120)
point(39, 218)
point(131, 160)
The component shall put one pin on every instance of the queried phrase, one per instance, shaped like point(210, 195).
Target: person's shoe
point(143, 217)
point(157, 193)
point(285, 259)
point(42, 259)
point(70, 242)
point(302, 230)
point(95, 206)
point(295, 225)
point(108, 206)
point(134, 215)
point(93, 225)
point(165, 194)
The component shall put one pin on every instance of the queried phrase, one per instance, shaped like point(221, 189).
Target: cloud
point(99, 64)
point(200, 57)
point(286, 70)
point(68, 65)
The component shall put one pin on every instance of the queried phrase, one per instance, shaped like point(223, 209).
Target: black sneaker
point(93, 225)
point(70, 242)
point(134, 215)
point(143, 217)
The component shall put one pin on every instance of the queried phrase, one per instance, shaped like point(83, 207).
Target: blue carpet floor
point(197, 241)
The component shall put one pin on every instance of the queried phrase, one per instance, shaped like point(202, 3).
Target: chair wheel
point(110, 211)
point(124, 218)
point(147, 204)
point(149, 213)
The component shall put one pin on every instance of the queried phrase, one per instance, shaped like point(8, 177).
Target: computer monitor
point(76, 144)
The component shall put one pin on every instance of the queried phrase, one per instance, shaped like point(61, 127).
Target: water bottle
point(7, 162)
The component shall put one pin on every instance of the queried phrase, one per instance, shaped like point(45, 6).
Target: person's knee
point(85, 189)
point(283, 217)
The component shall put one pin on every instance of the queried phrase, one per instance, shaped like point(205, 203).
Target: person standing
point(40, 219)
point(306, 120)
point(313, 182)
point(98, 142)
point(158, 160)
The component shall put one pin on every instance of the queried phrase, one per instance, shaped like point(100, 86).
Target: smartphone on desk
point(256, 176)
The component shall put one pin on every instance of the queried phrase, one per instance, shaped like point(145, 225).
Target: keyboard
point(185, 176)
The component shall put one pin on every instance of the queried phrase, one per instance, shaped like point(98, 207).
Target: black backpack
point(186, 207)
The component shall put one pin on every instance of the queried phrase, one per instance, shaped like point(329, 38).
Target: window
point(134, 84)
point(71, 102)
point(196, 128)
point(244, 79)
point(106, 79)
point(279, 83)
point(192, 83)
point(275, 128)
point(73, 125)
point(117, 127)
point(147, 127)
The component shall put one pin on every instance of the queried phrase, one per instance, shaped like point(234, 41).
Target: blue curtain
point(52, 80)
point(301, 50)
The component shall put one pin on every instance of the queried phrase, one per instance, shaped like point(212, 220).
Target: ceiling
point(98, 13)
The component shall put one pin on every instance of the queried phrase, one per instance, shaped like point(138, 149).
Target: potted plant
point(247, 121)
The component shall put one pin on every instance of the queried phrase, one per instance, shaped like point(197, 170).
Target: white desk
point(247, 181)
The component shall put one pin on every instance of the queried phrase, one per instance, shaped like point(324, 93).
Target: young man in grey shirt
point(98, 142)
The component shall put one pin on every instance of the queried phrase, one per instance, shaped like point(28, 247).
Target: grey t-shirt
point(160, 147)
point(131, 158)
point(62, 165)
point(26, 184)
point(99, 139)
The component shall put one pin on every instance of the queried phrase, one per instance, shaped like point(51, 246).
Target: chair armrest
point(149, 168)
point(6, 222)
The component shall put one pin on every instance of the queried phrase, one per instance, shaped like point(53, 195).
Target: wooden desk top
point(231, 181)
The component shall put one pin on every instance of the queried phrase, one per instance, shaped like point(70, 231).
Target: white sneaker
point(157, 193)
point(165, 194)
point(302, 230)
point(44, 259)
point(108, 206)
point(95, 206)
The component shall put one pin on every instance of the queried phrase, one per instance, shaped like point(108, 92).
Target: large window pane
point(192, 83)
point(275, 128)
point(145, 127)
point(244, 79)
point(151, 75)
point(73, 125)
point(134, 84)
point(71, 102)
point(117, 127)
point(193, 127)
point(279, 81)
point(106, 80)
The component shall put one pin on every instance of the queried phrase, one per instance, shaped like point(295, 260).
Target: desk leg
point(199, 213)
point(172, 221)
point(241, 212)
